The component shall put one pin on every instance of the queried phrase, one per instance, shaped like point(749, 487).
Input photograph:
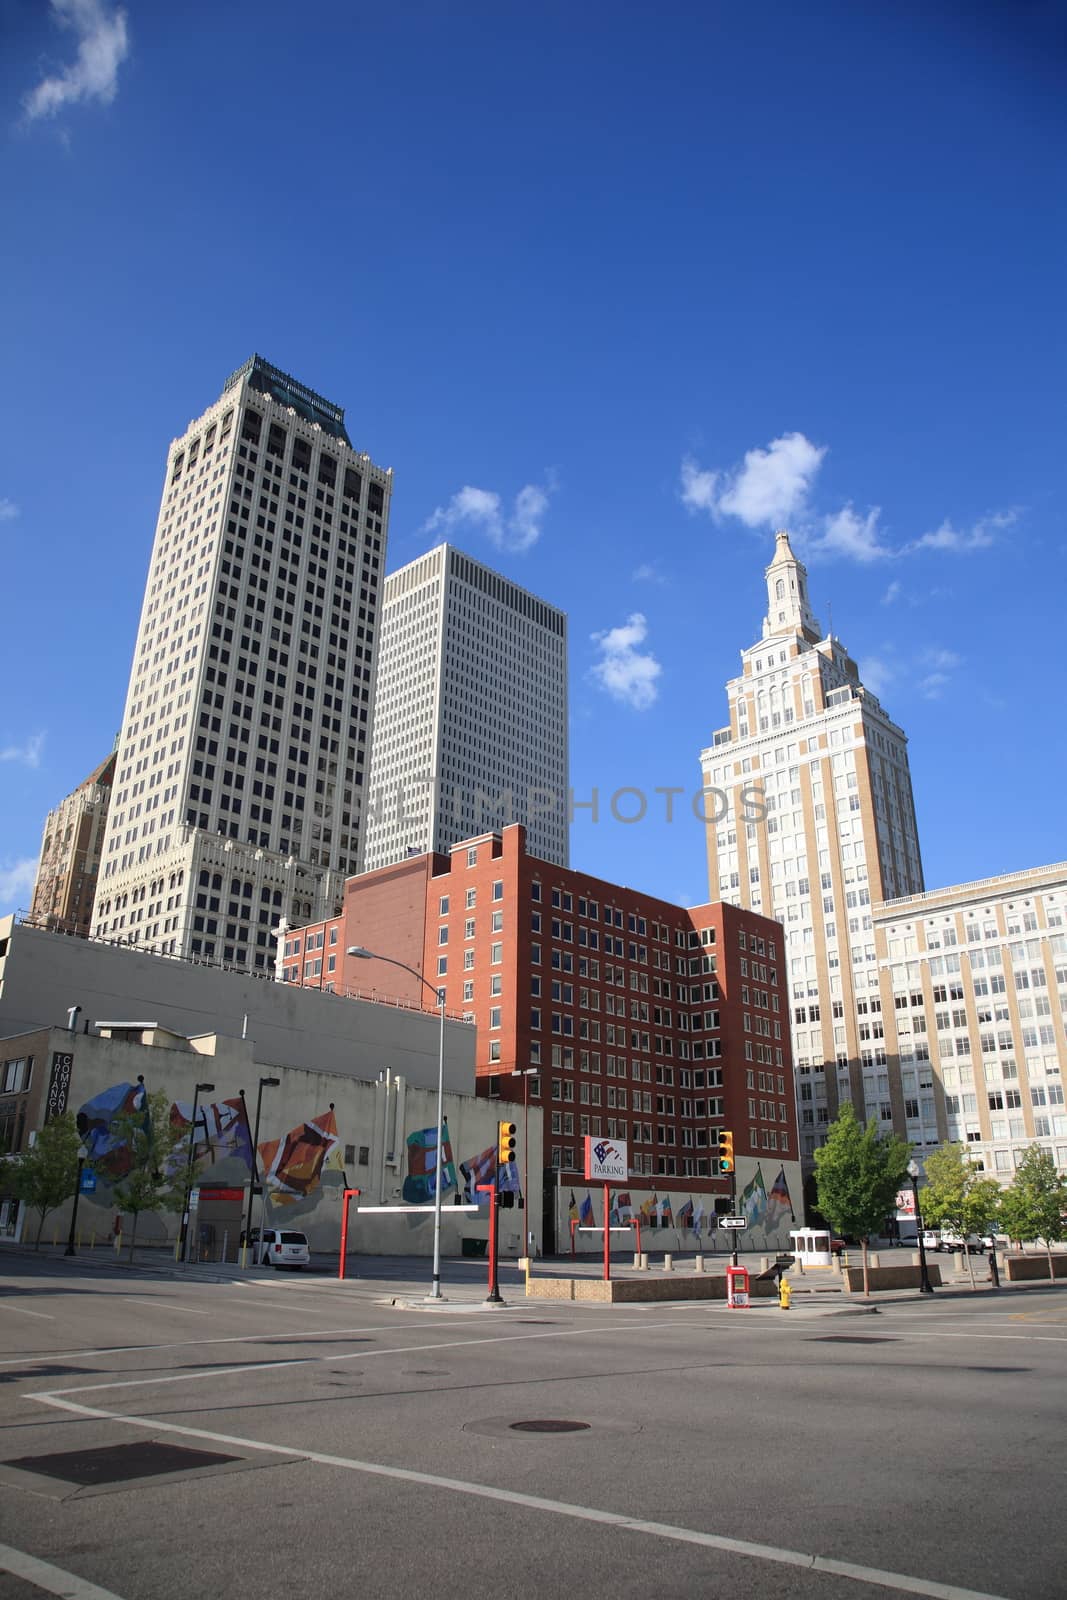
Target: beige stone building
point(974, 994)
point(811, 820)
point(65, 886)
point(245, 742)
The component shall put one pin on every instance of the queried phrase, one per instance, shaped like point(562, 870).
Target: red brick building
point(646, 1021)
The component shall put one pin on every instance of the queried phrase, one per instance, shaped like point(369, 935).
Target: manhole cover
point(44, 1370)
point(851, 1338)
point(117, 1462)
point(549, 1426)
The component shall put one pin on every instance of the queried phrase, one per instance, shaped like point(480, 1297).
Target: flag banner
point(585, 1213)
point(666, 1216)
point(478, 1169)
point(102, 1127)
point(482, 1168)
point(621, 1209)
point(684, 1218)
point(698, 1216)
point(778, 1201)
point(754, 1200)
point(420, 1185)
point(292, 1167)
point(221, 1131)
point(650, 1209)
point(572, 1209)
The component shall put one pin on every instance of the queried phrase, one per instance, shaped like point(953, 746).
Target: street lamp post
point(925, 1286)
point(201, 1088)
point(82, 1155)
point(439, 995)
point(264, 1083)
point(526, 1073)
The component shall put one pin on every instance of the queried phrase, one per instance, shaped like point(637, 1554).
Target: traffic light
point(505, 1142)
point(726, 1151)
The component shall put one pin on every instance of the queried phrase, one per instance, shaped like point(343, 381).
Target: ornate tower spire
point(788, 608)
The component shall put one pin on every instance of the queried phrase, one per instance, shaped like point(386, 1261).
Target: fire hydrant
point(785, 1294)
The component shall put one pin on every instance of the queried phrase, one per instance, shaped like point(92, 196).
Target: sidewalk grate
point(118, 1462)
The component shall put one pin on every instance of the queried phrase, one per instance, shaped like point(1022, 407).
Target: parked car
point(278, 1247)
point(974, 1243)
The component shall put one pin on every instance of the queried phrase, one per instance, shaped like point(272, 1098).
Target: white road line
point(53, 1579)
point(612, 1519)
point(197, 1344)
point(22, 1312)
point(166, 1305)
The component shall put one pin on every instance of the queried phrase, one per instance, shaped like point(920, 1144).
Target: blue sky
point(615, 290)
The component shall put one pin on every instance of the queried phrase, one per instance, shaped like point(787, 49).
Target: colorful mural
point(421, 1182)
point(292, 1167)
point(103, 1127)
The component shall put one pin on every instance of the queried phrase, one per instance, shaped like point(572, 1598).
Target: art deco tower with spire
point(825, 826)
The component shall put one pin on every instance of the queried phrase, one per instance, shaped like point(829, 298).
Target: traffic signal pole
point(494, 1296)
point(733, 1211)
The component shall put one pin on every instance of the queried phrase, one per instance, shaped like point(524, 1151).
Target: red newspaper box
point(737, 1287)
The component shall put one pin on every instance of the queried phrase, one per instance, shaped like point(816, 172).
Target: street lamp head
point(913, 1168)
point(205, 1088)
point(83, 1152)
point(361, 951)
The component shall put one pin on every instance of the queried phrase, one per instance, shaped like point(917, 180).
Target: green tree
point(152, 1182)
point(857, 1175)
point(956, 1197)
point(47, 1173)
point(1035, 1206)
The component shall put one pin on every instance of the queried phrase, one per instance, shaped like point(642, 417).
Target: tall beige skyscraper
point(829, 830)
point(245, 742)
point(470, 731)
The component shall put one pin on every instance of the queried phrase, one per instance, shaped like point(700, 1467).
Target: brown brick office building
point(646, 1021)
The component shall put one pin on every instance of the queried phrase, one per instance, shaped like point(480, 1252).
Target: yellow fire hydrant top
point(785, 1293)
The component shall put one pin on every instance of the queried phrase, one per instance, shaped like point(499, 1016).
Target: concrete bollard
point(698, 1263)
point(764, 1263)
point(637, 1261)
point(668, 1263)
point(644, 1260)
point(873, 1260)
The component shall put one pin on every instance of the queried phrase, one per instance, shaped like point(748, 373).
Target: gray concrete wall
point(371, 1117)
point(43, 974)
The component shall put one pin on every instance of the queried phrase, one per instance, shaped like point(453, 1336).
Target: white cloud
point(958, 541)
point(483, 509)
point(16, 882)
point(772, 488)
point(769, 489)
point(625, 672)
point(647, 572)
point(894, 592)
point(942, 660)
point(103, 45)
point(29, 754)
point(848, 534)
point(8, 510)
point(876, 674)
point(931, 686)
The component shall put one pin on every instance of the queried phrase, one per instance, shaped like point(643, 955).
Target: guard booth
point(813, 1247)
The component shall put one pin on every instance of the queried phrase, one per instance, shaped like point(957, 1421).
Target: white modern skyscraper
point(470, 730)
point(810, 744)
point(245, 742)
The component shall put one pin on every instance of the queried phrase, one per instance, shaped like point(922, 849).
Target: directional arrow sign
point(733, 1222)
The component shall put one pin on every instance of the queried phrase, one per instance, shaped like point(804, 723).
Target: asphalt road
point(351, 1446)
